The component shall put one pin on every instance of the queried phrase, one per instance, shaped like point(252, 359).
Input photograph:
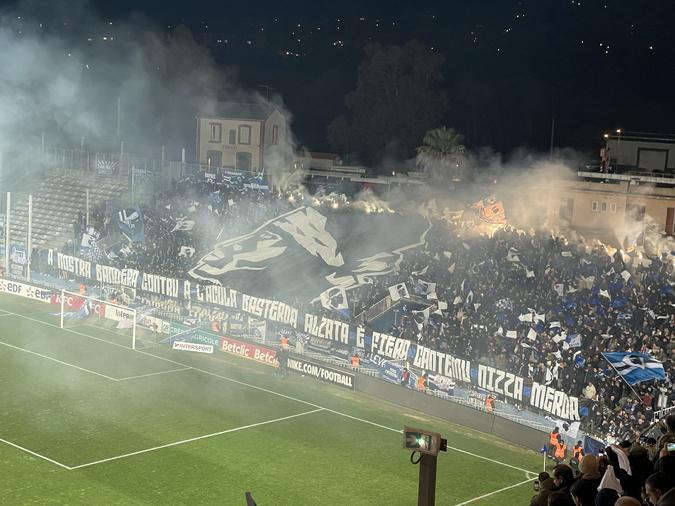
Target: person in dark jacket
point(563, 477)
point(606, 497)
point(585, 489)
point(547, 487)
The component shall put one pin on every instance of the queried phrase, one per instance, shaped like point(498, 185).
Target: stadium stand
point(532, 304)
point(57, 202)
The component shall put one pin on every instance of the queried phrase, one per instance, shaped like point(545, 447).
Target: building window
point(244, 161)
point(612, 207)
point(275, 134)
point(216, 132)
point(595, 206)
point(566, 208)
point(244, 134)
point(233, 137)
point(603, 207)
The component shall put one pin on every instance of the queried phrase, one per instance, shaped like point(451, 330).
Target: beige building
point(242, 136)
point(615, 208)
point(639, 152)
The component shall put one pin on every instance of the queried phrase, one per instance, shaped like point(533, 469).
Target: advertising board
point(321, 372)
point(248, 350)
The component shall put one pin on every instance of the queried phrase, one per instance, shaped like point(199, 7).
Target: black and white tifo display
point(306, 255)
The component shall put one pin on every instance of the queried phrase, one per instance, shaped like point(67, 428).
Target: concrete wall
point(601, 210)
point(457, 413)
point(627, 153)
point(229, 151)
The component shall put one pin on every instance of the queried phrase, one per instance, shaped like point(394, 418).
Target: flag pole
point(621, 376)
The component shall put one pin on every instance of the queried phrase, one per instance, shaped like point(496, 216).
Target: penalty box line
point(184, 441)
point(89, 371)
point(36, 454)
point(339, 413)
point(528, 473)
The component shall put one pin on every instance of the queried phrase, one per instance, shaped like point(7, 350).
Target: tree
point(394, 103)
point(441, 152)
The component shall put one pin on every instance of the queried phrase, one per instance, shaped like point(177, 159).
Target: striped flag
point(635, 367)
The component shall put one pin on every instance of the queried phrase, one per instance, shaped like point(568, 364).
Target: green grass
point(78, 414)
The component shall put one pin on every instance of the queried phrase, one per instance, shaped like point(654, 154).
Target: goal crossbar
point(104, 309)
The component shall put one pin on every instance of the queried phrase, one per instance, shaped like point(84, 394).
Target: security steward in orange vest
point(283, 343)
point(356, 361)
point(577, 456)
point(560, 450)
point(422, 383)
point(489, 403)
point(552, 441)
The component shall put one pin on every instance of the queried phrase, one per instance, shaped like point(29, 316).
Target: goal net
point(133, 327)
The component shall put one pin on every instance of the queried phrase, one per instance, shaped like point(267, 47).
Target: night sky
point(510, 65)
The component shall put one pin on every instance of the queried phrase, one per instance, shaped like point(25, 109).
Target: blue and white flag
point(130, 223)
point(89, 246)
point(635, 367)
point(574, 340)
point(422, 287)
point(117, 250)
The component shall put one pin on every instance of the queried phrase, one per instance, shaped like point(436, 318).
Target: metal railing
point(375, 310)
point(662, 413)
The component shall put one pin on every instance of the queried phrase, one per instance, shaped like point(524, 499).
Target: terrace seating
point(56, 205)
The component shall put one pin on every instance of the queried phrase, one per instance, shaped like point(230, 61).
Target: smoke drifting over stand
point(65, 71)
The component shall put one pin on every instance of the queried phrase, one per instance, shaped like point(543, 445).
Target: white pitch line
point(271, 392)
point(36, 454)
point(59, 361)
point(490, 460)
point(449, 447)
point(5, 314)
point(232, 380)
point(153, 374)
point(494, 492)
point(326, 409)
point(236, 429)
point(71, 330)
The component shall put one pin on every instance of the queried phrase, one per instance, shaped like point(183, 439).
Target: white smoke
point(64, 72)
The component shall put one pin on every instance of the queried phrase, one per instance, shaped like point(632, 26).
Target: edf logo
point(13, 288)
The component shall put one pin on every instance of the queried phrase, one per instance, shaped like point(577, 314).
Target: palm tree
point(441, 152)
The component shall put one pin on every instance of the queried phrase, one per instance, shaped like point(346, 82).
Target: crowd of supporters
point(530, 303)
point(641, 472)
point(590, 300)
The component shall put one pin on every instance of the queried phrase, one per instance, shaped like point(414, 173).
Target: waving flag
point(183, 224)
point(130, 223)
point(635, 367)
point(88, 246)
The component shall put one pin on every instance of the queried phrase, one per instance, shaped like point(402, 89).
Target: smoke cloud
point(66, 72)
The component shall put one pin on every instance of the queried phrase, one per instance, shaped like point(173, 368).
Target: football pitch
point(84, 419)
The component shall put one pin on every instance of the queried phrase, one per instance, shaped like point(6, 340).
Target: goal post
point(80, 309)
